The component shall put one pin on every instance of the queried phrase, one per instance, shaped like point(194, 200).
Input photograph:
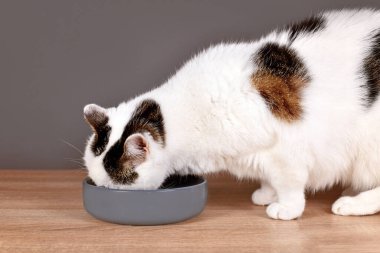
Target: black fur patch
point(280, 61)
point(371, 69)
point(280, 78)
point(98, 121)
point(101, 139)
point(309, 25)
point(146, 118)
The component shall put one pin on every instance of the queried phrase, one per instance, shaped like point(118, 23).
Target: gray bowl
point(180, 198)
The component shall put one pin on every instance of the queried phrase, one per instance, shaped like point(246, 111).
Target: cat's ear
point(96, 116)
point(136, 145)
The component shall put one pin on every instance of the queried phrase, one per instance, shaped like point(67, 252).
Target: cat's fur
point(298, 110)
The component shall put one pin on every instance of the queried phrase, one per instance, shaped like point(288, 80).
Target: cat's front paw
point(263, 196)
point(358, 205)
point(283, 212)
point(344, 206)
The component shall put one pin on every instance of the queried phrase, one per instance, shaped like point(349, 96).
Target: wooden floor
point(41, 211)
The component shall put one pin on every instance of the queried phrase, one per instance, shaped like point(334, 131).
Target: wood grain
point(41, 211)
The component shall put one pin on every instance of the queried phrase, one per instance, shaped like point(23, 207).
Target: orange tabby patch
point(280, 78)
point(282, 94)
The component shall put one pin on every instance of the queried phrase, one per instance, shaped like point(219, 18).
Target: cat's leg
point(289, 185)
point(290, 204)
point(285, 169)
point(364, 203)
point(265, 195)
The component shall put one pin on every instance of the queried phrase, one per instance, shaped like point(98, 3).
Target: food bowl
point(178, 199)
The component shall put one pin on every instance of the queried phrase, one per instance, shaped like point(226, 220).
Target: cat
point(298, 110)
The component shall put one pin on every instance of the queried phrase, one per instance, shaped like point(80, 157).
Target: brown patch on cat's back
point(280, 79)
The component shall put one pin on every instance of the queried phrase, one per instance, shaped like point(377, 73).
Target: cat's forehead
point(136, 116)
point(118, 119)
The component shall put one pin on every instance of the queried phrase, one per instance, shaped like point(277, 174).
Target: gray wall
point(57, 56)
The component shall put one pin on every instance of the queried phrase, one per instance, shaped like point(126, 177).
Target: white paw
point(263, 197)
point(354, 206)
point(344, 206)
point(281, 212)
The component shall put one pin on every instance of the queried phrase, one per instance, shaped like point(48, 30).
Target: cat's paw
point(263, 196)
point(354, 206)
point(343, 206)
point(282, 212)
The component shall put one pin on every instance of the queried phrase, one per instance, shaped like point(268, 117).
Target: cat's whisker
point(74, 160)
point(73, 146)
point(82, 166)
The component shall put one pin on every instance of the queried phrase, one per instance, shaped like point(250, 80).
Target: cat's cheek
point(95, 168)
point(149, 177)
point(99, 176)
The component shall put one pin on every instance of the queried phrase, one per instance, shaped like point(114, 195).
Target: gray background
point(57, 56)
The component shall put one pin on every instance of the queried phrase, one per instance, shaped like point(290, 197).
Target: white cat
point(298, 110)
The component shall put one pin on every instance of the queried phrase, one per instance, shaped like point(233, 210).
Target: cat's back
point(321, 70)
point(235, 89)
point(342, 37)
point(338, 52)
point(354, 21)
point(341, 52)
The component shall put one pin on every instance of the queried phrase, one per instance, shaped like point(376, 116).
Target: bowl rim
point(203, 182)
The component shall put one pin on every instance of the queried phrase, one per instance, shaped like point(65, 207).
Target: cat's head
point(125, 150)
